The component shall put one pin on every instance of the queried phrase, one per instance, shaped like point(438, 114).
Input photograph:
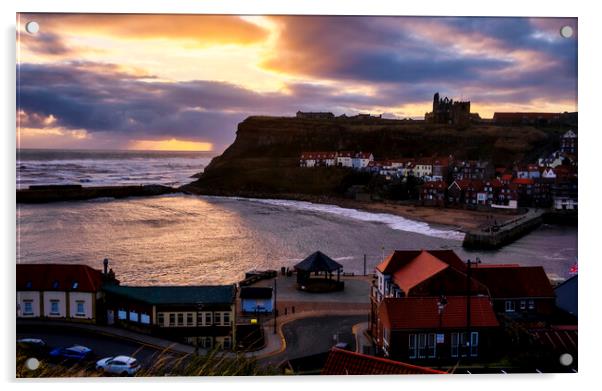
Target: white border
point(590, 167)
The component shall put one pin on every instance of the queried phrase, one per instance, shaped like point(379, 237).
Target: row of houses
point(355, 160)
point(507, 191)
point(431, 307)
point(202, 315)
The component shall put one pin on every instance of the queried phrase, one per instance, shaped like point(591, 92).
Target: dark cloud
point(46, 43)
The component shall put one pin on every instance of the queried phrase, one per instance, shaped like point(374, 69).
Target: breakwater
point(58, 193)
point(493, 237)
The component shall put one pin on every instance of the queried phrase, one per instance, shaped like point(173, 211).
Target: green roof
point(201, 294)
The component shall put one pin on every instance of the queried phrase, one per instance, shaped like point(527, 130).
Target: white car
point(118, 365)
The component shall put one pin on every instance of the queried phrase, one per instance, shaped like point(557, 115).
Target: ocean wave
point(392, 221)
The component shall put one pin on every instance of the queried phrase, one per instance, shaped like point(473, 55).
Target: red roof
point(399, 258)
point(410, 313)
point(514, 281)
point(467, 183)
point(417, 270)
point(507, 177)
point(344, 362)
point(523, 181)
point(58, 277)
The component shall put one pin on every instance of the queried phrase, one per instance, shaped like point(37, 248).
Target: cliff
point(264, 158)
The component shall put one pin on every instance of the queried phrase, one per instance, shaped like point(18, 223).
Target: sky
point(184, 82)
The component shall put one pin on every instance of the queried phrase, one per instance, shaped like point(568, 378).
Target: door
point(110, 317)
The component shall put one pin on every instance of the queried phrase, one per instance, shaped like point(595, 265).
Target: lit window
point(27, 307)
point(122, 315)
point(523, 304)
point(531, 304)
point(80, 308)
point(144, 318)
point(509, 306)
point(54, 307)
point(55, 284)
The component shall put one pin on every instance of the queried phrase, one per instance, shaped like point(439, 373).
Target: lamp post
point(468, 294)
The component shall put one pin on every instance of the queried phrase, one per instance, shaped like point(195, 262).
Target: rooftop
point(214, 294)
point(514, 281)
point(344, 362)
point(318, 261)
point(399, 258)
point(58, 277)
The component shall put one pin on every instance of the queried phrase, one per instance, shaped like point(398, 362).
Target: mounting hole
point(32, 363)
point(566, 359)
point(32, 27)
point(566, 31)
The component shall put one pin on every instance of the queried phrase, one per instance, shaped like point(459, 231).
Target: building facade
point(60, 292)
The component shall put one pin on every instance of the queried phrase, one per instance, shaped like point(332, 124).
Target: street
point(309, 336)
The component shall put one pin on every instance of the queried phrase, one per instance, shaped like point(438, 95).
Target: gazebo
point(319, 264)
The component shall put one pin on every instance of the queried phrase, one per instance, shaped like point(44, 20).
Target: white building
point(55, 291)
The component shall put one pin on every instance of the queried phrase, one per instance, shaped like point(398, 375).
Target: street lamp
point(468, 294)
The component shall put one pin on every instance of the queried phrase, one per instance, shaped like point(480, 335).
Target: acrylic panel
point(295, 195)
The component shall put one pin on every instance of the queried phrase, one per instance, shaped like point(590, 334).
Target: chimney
point(105, 264)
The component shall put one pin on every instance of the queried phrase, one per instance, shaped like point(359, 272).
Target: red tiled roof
point(514, 281)
point(417, 270)
point(344, 362)
point(523, 181)
point(399, 258)
point(410, 313)
point(58, 277)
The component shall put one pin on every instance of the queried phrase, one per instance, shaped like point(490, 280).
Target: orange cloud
point(201, 29)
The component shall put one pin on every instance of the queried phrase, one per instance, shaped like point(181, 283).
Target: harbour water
point(182, 239)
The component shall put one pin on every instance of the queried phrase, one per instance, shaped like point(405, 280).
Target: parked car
point(119, 365)
point(33, 346)
point(74, 353)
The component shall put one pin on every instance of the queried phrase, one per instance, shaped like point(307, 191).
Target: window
point(509, 306)
point(172, 320)
point(218, 318)
point(189, 319)
point(206, 342)
point(454, 344)
point(74, 285)
point(27, 307)
point(474, 344)
point(160, 319)
point(421, 345)
point(55, 284)
point(122, 315)
point(180, 319)
point(412, 346)
point(523, 305)
point(133, 316)
point(531, 304)
point(226, 319)
point(28, 285)
point(208, 318)
point(430, 346)
point(80, 309)
point(54, 307)
point(144, 318)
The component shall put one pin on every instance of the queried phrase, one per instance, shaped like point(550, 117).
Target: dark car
point(75, 353)
point(32, 346)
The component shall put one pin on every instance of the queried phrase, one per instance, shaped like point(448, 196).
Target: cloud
point(200, 29)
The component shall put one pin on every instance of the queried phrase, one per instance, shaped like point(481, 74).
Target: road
point(102, 346)
point(309, 336)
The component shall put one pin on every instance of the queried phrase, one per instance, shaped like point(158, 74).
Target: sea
point(180, 239)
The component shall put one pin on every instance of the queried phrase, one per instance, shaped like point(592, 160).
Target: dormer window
point(55, 284)
point(74, 285)
point(28, 285)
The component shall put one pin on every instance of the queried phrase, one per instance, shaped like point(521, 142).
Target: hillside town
point(549, 182)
